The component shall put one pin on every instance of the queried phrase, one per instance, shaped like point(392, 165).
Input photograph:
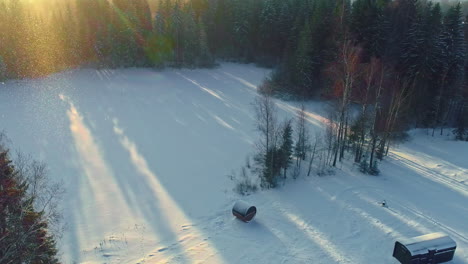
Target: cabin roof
point(421, 244)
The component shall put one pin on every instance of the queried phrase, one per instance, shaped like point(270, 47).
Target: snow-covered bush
point(244, 183)
point(364, 165)
point(374, 169)
point(366, 168)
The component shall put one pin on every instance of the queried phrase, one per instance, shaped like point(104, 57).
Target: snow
point(145, 158)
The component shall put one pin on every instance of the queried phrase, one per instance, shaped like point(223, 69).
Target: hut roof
point(420, 244)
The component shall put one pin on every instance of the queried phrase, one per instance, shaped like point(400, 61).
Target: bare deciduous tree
point(267, 125)
point(344, 73)
point(313, 152)
point(46, 194)
point(302, 145)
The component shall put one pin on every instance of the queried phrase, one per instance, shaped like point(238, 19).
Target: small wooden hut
point(427, 249)
point(244, 211)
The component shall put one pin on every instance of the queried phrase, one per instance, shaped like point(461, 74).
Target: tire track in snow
point(432, 220)
point(461, 187)
point(415, 212)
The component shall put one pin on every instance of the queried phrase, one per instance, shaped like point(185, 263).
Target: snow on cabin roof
point(421, 244)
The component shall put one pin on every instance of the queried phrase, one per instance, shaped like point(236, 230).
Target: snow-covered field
point(145, 155)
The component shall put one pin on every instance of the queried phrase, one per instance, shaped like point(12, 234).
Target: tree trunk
point(439, 103)
point(312, 158)
point(374, 142)
point(337, 145)
point(344, 138)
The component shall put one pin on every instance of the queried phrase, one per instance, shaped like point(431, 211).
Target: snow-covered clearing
point(145, 155)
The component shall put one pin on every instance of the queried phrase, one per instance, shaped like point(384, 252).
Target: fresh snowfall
point(146, 156)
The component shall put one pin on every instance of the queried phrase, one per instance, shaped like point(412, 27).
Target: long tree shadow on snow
point(171, 217)
point(319, 242)
point(111, 192)
point(98, 178)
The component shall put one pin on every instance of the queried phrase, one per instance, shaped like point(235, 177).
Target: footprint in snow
point(162, 249)
point(186, 227)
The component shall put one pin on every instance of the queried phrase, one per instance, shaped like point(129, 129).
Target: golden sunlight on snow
point(195, 247)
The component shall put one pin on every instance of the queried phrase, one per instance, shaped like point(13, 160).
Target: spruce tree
point(23, 232)
point(421, 59)
point(454, 43)
point(177, 33)
point(461, 131)
point(190, 45)
point(364, 165)
point(143, 16)
point(160, 45)
point(304, 63)
point(374, 169)
point(368, 25)
point(286, 147)
point(205, 59)
point(268, 32)
point(241, 29)
point(302, 145)
point(272, 168)
point(451, 74)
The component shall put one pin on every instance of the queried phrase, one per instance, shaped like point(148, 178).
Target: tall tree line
point(127, 33)
point(317, 47)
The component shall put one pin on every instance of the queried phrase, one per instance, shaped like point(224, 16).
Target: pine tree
point(453, 40)
point(143, 27)
point(160, 27)
point(302, 145)
point(23, 232)
point(374, 169)
point(421, 52)
point(422, 57)
point(219, 28)
point(272, 168)
point(191, 42)
point(103, 40)
point(304, 64)
point(271, 49)
point(200, 7)
point(143, 16)
point(368, 25)
point(312, 51)
point(205, 59)
point(461, 131)
point(241, 29)
point(177, 33)
point(452, 70)
point(286, 147)
point(401, 16)
point(160, 45)
point(364, 165)
point(285, 23)
point(126, 35)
